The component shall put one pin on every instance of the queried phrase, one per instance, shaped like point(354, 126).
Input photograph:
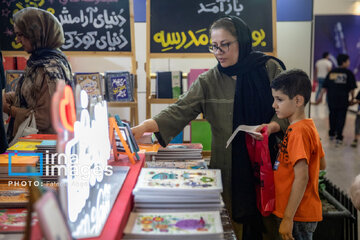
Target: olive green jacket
point(213, 95)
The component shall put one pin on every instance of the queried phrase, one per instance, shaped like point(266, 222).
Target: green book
point(201, 133)
point(176, 82)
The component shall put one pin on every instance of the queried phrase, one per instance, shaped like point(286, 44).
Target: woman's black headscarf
point(252, 106)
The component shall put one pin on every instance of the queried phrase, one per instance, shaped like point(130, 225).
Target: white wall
point(293, 42)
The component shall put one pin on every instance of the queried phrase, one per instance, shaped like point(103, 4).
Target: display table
point(117, 219)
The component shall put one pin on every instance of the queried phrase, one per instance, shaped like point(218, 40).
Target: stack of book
point(160, 189)
point(170, 225)
point(18, 165)
point(177, 152)
point(50, 160)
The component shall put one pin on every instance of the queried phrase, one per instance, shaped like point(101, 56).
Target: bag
point(264, 176)
point(26, 128)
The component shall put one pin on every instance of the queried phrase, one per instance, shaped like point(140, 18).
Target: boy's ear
point(299, 100)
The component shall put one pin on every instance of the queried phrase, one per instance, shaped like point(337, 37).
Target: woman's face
point(20, 38)
point(225, 47)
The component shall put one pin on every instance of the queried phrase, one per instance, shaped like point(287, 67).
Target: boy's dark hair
point(293, 82)
point(341, 58)
point(325, 54)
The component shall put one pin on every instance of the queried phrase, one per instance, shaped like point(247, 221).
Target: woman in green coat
point(236, 91)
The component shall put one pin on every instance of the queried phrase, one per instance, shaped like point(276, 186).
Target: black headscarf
point(252, 106)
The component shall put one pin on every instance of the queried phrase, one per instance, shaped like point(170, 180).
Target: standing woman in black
point(3, 142)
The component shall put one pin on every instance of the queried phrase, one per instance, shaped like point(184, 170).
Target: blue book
point(119, 87)
point(179, 138)
point(164, 85)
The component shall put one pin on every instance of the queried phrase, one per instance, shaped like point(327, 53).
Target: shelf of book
point(122, 104)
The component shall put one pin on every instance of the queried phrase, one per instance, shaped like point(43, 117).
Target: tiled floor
point(343, 162)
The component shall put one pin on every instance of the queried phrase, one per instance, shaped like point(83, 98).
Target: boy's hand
point(285, 229)
point(272, 127)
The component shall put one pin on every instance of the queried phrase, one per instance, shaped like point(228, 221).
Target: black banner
point(182, 26)
point(89, 25)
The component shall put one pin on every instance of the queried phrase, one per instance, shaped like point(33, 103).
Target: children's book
point(179, 181)
point(90, 82)
point(12, 78)
point(14, 220)
point(181, 225)
point(177, 164)
point(24, 146)
point(119, 87)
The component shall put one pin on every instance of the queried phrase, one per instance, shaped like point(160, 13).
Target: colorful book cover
point(176, 82)
point(177, 164)
point(14, 220)
point(174, 224)
point(119, 87)
point(12, 78)
point(164, 180)
point(24, 146)
point(90, 82)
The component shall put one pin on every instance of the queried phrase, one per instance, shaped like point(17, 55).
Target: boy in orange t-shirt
point(301, 156)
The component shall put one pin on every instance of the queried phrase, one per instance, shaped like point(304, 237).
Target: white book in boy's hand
point(244, 128)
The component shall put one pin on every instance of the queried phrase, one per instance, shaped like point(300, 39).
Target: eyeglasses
point(224, 47)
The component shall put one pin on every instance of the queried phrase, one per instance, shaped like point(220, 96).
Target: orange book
point(149, 147)
point(18, 160)
point(38, 137)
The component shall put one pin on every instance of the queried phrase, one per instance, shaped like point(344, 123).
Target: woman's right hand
point(138, 131)
point(149, 125)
